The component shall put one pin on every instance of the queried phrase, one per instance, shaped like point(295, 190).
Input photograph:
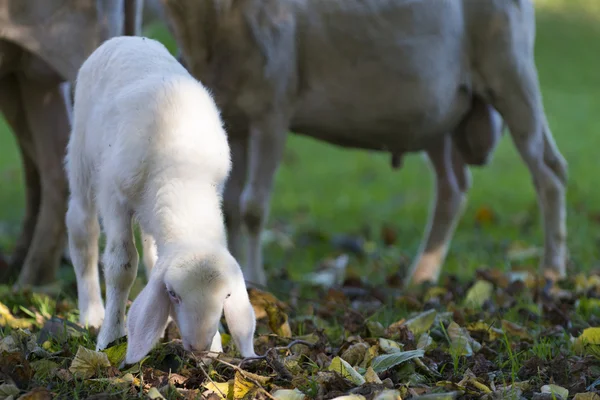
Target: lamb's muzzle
point(148, 144)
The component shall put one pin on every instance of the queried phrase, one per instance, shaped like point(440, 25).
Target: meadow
point(480, 333)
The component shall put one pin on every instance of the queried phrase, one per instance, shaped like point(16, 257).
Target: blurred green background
point(322, 190)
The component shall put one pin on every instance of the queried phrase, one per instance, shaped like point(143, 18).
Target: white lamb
point(148, 143)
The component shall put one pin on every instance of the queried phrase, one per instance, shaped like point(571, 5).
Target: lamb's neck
point(187, 213)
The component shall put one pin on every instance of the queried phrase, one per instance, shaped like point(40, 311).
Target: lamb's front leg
point(120, 269)
point(452, 183)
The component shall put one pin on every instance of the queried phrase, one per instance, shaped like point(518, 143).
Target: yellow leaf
point(221, 389)
point(459, 339)
point(588, 342)
point(260, 300)
point(343, 368)
point(355, 353)
point(586, 396)
point(88, 362)
point(153, 393)
point(278, 321)
point(371, 353)
point(125, 381)
point(288, 394)
point(478, 294)
point(389, 346)
point(490, 332)
point(242, 386)
point(388, 394)
point(422, 322)
point(371, 376)
point(7, 319)
point(434, 292)
point(515, 329)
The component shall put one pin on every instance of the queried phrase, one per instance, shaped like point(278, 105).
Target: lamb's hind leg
point(517, 97)
point(120, 261)
point(452, 183)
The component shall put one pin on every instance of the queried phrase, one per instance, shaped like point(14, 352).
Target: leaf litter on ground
point(499, 336)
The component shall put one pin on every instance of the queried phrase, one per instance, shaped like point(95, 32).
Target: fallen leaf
point(125, 381)
point(375, 328)
point(586, 396)
point(478, 294)
point(44, 368)
point(39, 393)
point(371, 376)
point(116, 354)
point(7, 390)
point(388, 395)
point(355, 353)
point(278, 322)
point(437, 396)
point(515, 330)
point(153, 393)
point(425, 341)
point(389, 346)
point(484, 215)
point(261, 299)
point(243, 386)
point(459, 340)
point(87, 362)
point(385, 362)
point(422, 322)
point(7, 319)
point(344, 369)
point(588, 342)
point(222, 389)
point(289, 394)
point(350, 397)
point(555, 390)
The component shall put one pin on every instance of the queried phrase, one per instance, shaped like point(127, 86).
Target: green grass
point(330, 190)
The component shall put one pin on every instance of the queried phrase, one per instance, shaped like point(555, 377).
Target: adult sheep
point(42, 46)
point(395, 76)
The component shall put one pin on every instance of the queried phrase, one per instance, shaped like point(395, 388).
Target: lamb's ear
point(240, 316)
point(147, 319)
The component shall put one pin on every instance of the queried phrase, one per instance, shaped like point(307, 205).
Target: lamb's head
point(194, 287)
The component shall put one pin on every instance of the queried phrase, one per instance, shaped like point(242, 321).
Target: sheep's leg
point(232, 195)
point(120, 261)
point(518, 99)
point(150, 254)
point(48, 121)
point(14, 113)
point(83, 232)
point(452, 183)
point(266, 145)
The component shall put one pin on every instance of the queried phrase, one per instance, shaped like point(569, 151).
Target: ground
point(330, 204)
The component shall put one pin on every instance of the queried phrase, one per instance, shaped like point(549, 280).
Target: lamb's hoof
point(93, 318)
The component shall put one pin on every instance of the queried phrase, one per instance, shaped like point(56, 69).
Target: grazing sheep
point(148, 144)
point(395, 76)
point(42, 45)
